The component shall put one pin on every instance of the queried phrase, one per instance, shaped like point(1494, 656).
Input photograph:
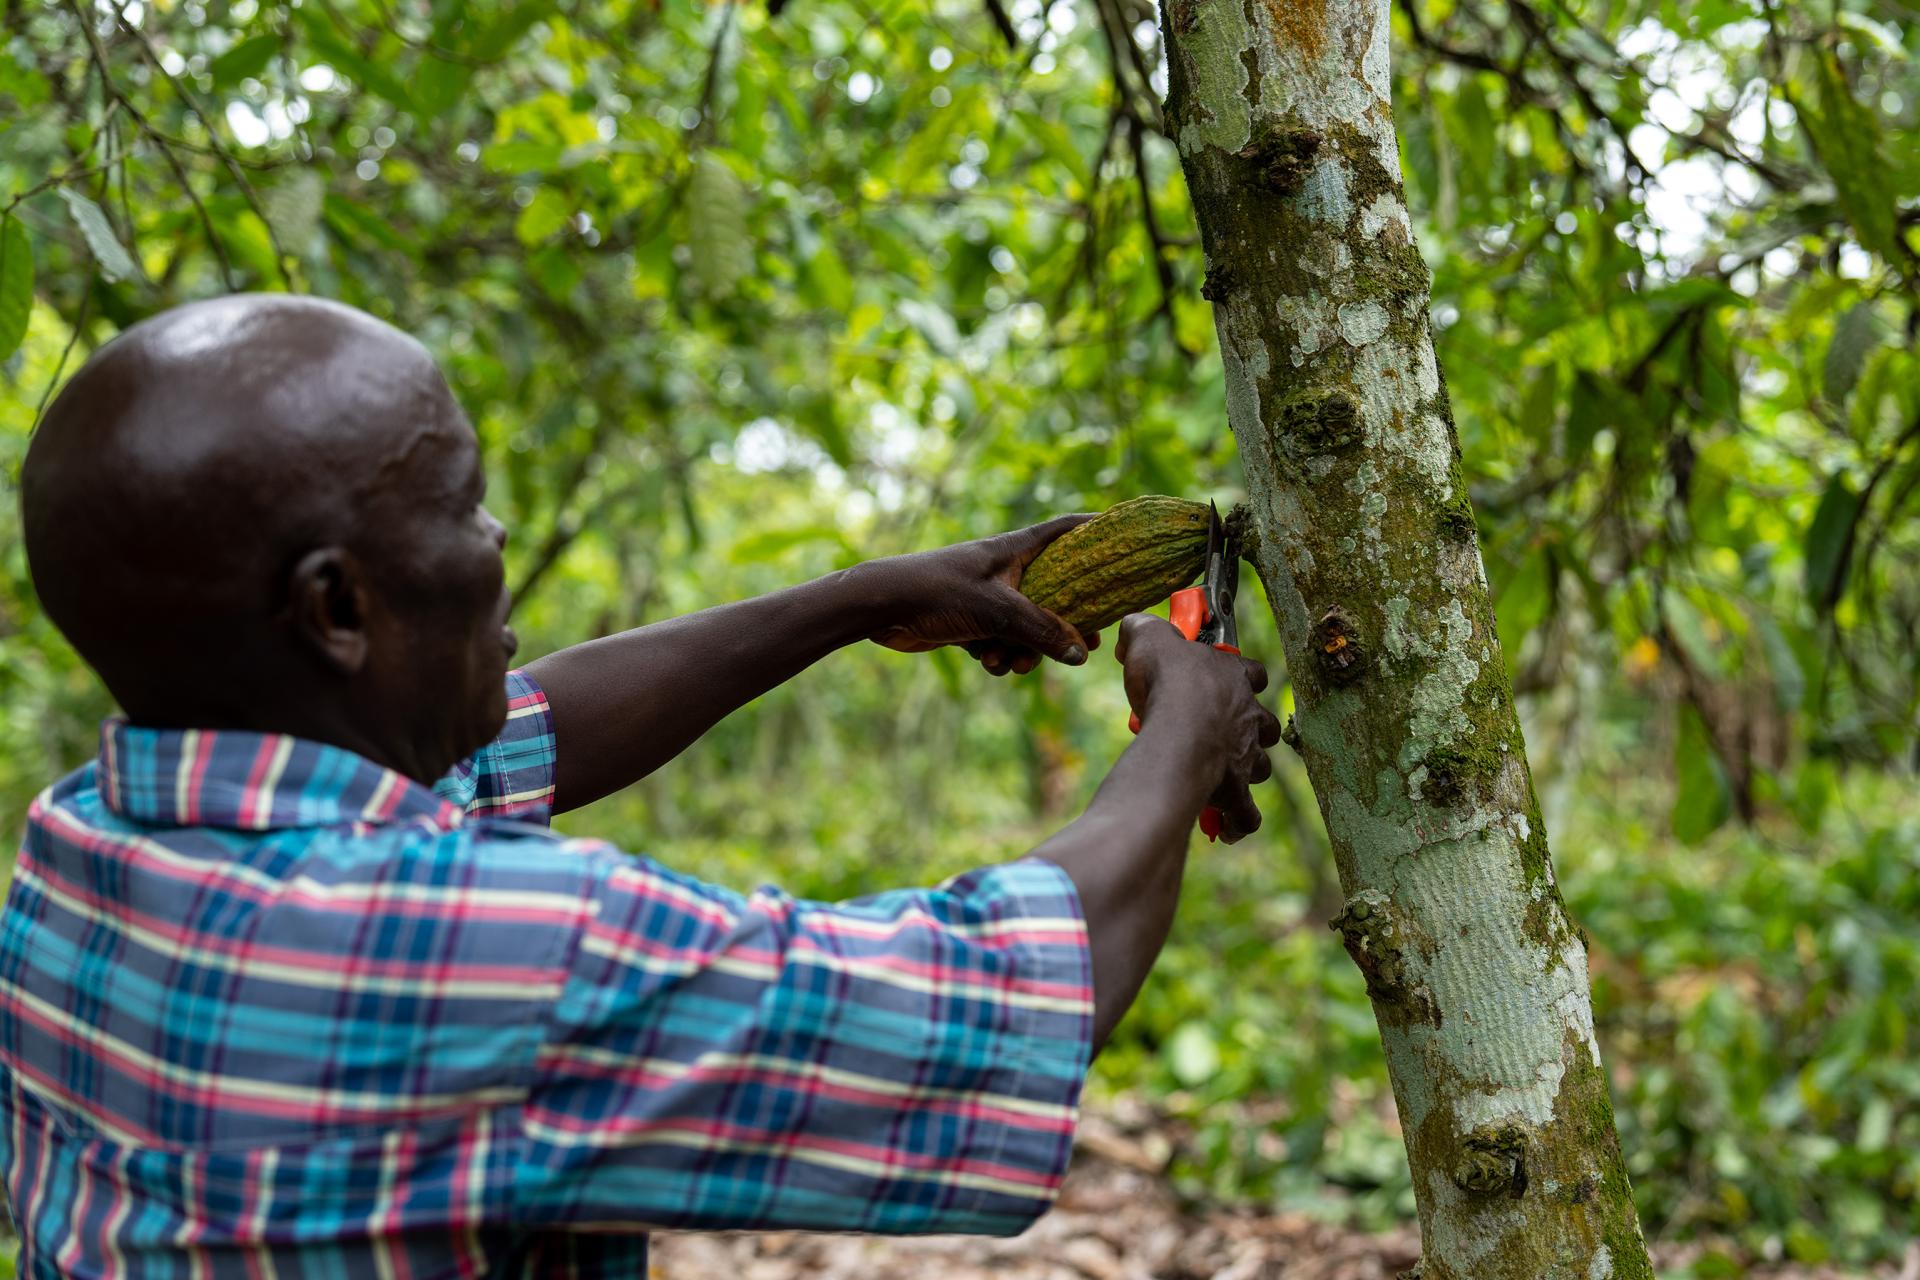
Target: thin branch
point(98, 53)
point(1163, 269)
point(1113, 28)
point(1002, 23)
point(234, 169)
point(71, 172)
point(60, 366)
point(703, 132)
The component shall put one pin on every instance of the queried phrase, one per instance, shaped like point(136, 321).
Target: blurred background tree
point(735, 297)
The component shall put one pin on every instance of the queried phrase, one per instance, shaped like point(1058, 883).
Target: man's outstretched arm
point(626, 704)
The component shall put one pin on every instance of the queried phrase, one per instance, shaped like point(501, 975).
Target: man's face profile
point(266, 512)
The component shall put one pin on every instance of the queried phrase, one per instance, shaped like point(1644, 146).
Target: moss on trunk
point(1405, 714)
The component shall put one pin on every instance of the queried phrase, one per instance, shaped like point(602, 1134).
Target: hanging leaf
point(1855, 334)
point(247, 58)
point(292, 207)
point(934, 324)
point(357, 224)
point(1537, 410)
point(825, 280)
point(1057, 143)
point(1702, 799)
point(951, 670)
point(717, 226)
point(546, 215)
point(498, 38)
point(556, 271)
point(1783, 664)
point(439, 85)
point(333, 49)
point(523, 157)
point(1846, 137)
point(16, 284)
point(115, 262)
point(1591, 405)
point(1829, 544)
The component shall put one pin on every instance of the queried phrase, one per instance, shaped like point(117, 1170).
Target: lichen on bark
point(1404, 711)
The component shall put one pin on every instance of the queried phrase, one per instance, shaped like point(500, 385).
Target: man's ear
point(327, 606)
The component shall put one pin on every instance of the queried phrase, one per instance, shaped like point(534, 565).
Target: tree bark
point(1405, 715)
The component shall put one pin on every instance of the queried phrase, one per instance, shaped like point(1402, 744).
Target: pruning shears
point(1204, 613)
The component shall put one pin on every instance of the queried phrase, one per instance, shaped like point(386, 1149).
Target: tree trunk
point(1366, 544)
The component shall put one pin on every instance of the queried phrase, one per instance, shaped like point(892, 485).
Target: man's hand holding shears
point(1207, 681)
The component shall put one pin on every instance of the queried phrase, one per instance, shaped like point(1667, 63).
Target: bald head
point(245, 512)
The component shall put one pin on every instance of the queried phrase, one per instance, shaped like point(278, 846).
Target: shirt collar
point(252, 781)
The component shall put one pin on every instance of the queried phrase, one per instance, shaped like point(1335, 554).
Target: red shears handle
point(1188, 608)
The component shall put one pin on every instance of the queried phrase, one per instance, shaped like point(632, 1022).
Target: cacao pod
point(1128, 558)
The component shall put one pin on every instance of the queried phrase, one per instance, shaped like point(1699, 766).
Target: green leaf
point(717, 226)
point(951, 670)
point(333, 49)
point(555, 269)
point(1523, 603)
point(16, 284)
point(26, 88)
point(1883, 38)
point(547, 214)
point(497, 39)
point(1591, 405)
point(439, 85)
point(934, 324)
point(923, 162)
point(1814, 785)
point(827, 281)
point(112, 256)
point(292, 206)
point(247, 58)
point(1054, 139)
point(354, 222)
point(1855, 334)
point(1829, 543)
point(1702, 799)
point(1192, 1055)
point(1689, 629)
point(1783, 664)
point(1846, 137)
point(771, 544)
point(522, 157)
point(1537, 410)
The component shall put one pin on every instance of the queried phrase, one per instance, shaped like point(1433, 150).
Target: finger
point(992, 654)
point(1256, 674)
point(1133, 628)
point(1023, 661)
point(1262, 768)
point(1091, 637)
point(977, 648)
point(1029, 626)
point(1239, 815)
point(1022, 545)
point(1269, 728)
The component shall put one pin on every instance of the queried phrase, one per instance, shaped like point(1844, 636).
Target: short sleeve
point(905, 1063)
point(512, 776)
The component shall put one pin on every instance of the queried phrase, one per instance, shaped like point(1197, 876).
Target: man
point(295, 982)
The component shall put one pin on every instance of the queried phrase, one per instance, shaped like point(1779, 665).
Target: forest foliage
point(735, 297)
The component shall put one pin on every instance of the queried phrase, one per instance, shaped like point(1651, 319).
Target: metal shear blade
point(1222, 583)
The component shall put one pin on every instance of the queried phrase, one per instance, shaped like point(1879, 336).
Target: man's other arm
point(1203, 740)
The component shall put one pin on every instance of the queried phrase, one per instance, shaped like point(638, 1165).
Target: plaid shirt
point(270, 1010)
